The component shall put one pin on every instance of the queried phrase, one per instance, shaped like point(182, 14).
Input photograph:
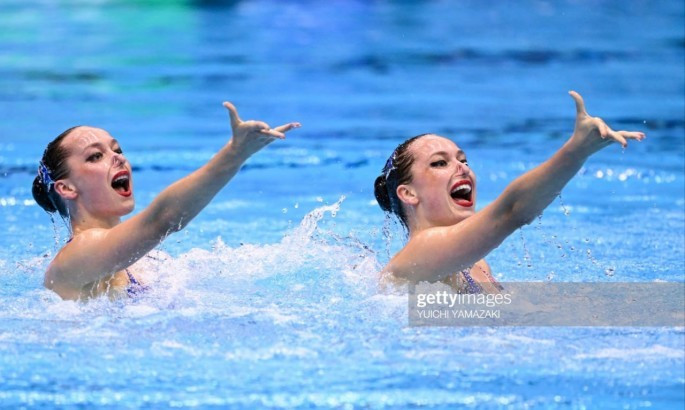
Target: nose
point(462, 168)
point(118, 159)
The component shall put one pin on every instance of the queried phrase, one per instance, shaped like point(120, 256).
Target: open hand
point(251, 136)
point(592, 134)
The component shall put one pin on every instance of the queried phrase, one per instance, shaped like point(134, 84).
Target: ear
point(407, 195)
point(65, 189)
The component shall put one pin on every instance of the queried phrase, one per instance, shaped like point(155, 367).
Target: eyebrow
point(114, 142)
point(459, 152)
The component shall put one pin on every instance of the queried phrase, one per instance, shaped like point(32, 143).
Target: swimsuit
point(471, 285)
point(474, 287)
point(134, 287)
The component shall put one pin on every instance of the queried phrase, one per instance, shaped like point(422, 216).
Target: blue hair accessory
point(45, 177)
point(389, 166)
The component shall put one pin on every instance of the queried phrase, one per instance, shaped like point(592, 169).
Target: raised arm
point(97, 253)
point(177, 205)
point(437, 252)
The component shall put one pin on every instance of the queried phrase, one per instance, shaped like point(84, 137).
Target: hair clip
point(45, 177)
point(387, 169)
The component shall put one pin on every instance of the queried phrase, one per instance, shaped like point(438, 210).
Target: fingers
point(287, 127)
point(602, 127)
point(273, 133)
point(258, 126)
point(621, 137)
point(608, 134)
point(264, 129)
point(580, 104)
point(278, 132)
point(632, 135)
point(618, 138)
point(233, 113)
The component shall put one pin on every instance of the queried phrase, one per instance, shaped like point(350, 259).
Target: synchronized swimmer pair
point(426, 183)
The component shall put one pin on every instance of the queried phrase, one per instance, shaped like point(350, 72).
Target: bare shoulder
point(421, 258)
point(59, 275)
point(398, 268)
point(78, 246)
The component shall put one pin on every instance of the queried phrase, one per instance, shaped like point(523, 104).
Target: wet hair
point(396, 172)
point(52, 167)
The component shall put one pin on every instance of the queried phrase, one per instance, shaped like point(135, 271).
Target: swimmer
point(428, 185)
point(85, 177)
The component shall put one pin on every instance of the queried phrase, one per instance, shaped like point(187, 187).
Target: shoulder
point(57, 275)
point(416, 260)
point(56, 280)
point(76, 245)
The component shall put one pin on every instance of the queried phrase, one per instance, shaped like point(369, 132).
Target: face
point(100, 177)
point(443, 187)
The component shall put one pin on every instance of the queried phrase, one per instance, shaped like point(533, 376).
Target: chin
point(468, 214)
point(129, 208)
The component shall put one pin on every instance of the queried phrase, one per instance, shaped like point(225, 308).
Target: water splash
point(563, 206)
point(310, 268)
point(526, 254)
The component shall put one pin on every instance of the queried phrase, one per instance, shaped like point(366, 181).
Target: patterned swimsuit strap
point(134, 287)
point(131, 278)
point(471, 285)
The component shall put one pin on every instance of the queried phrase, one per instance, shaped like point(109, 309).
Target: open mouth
point(122, 183)
point(461, 193)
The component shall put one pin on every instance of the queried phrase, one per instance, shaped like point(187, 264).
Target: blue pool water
point(270, 298)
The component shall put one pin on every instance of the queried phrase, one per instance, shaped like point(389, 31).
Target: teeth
point(464, 187)
point(121, 178)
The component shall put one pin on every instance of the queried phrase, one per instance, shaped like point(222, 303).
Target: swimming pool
point(271, 298)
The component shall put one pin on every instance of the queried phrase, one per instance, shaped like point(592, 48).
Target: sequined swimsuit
point(134, 287)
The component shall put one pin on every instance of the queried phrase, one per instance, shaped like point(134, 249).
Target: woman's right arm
point(437, 252)
point(97, 253)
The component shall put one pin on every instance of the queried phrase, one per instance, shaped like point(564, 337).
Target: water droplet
point(297, 205)
point(284, 210)
point(609, 271)
point(550, 276)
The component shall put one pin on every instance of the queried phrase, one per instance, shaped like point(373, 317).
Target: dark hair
point(396, 172)
point(52, 167)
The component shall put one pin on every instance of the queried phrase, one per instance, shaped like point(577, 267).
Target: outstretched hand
point(592, 133)
point(251, 136)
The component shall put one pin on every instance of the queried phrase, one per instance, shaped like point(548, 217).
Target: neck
point(419, 222)
point(82, 221)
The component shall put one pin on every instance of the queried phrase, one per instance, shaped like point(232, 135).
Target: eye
point(464, 161)
point(439, 163)
point(94, 157)
point(118, 151)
